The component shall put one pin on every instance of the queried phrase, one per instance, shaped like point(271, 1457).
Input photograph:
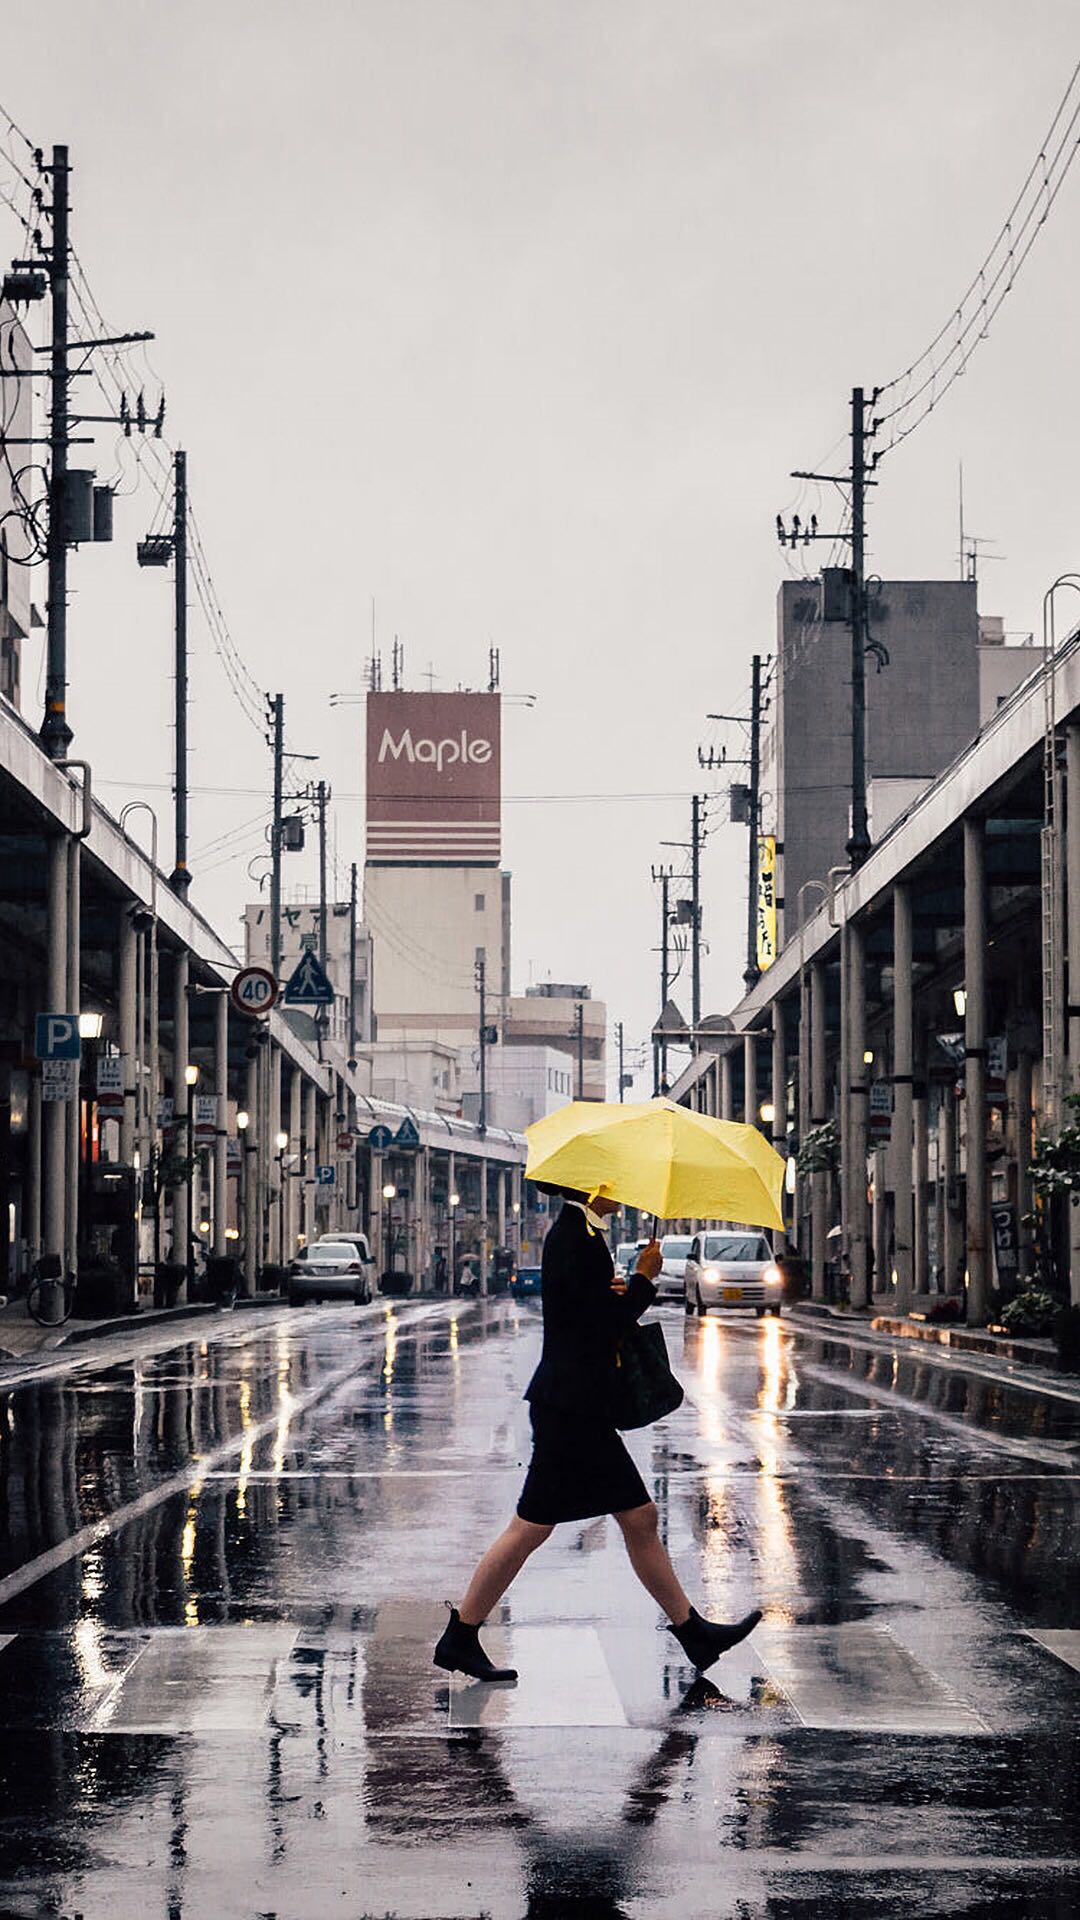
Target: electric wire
point(989, 287)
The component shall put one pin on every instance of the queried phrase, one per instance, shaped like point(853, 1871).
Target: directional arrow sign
point(379, 1139)
point(308, 986)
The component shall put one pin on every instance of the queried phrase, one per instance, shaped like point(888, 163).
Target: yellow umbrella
point(662, 1158)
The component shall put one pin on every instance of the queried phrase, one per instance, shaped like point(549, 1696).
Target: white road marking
point(1062, 1642)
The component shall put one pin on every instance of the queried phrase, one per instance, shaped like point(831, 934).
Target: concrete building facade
point(924, 1029)
point(946, 671)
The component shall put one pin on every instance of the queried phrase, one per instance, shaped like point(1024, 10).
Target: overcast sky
point(515, 318)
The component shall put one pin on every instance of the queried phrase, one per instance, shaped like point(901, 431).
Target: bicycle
point(47, 1273)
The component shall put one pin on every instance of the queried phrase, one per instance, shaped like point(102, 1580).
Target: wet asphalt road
point(223, 1562)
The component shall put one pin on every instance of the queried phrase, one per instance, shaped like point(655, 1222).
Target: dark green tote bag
point(645, 1387)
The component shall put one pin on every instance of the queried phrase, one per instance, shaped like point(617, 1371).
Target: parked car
point(626, 1254)
point(525, 1280)
point(732, 1269)
point(358, 1241)
point(327, 1270)
point(670, 1282)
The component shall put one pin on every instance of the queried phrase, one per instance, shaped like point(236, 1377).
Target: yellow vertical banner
point(766, 901)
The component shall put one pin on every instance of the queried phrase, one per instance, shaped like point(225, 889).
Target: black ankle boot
point(703, 1641)
point(459, 1651)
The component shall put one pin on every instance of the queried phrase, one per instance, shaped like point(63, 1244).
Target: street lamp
point(281, 1141)
point(191, 1081)
point(453, 1201)
point(959, 1001)
point(242, 1121)
point(388, 1193)
point(767, 1112)
point(91, 1025)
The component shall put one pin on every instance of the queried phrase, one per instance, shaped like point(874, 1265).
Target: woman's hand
point(650, 1260)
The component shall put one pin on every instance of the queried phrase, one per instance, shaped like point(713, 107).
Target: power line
point(993, 281)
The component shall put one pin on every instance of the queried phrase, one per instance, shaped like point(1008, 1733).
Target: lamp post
point(147, 1109)
point(243, 1121)
point(191, 1081)
point(281, 1141)
point(453, 1203)
point(388, 1193)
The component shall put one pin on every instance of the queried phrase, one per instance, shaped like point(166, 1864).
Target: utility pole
point(696, 837)
point(800, 534)
point(352, 963)
point(663, 874)
point(56, 735)
point(180, 878)
point(619, 1038)
point(481, 987)
point(277, 741)
point(579, 1029)
point(859, 844)
point(751, 973)
point(322, 796)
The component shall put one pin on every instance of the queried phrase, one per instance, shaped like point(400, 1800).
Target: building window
point(478, 902)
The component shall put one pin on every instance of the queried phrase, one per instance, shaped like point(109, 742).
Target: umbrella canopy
point(662, 1158)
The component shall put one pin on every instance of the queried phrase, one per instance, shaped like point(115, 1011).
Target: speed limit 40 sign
point(254, 990)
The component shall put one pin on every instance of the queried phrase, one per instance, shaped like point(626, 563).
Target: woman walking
point(580, 1467)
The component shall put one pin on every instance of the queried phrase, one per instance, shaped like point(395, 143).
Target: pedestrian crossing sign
point(308, 985)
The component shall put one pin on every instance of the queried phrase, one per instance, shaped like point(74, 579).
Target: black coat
point(583, 1320)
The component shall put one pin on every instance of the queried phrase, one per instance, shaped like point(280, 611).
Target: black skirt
point(579, 1468)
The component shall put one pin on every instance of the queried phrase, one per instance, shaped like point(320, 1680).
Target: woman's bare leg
point(502, 1561)
point(651, 1562)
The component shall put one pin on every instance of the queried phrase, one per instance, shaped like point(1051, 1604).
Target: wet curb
point(1036, 1353)
point(163, 1317)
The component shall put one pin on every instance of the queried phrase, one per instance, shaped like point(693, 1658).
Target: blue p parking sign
point(56, 1036)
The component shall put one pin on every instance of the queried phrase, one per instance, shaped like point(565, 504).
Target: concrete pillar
point(183, 1109)
point(802, 1107)
point(843, 1100)
point(978, 1186)
point(501, 1204)
point(275, 1161)
point(129, 1022)
point(902, 1118)
point(310, 1145)
point(451, 1220)
point(858, 1117)
point(819, 1182)
point(1024, 1149)
point(779, 1106)
point(1072, 947)
point(921, 1224)
point(141, 1143)
point(951, 1243)
point(750, 1105)
point(882, 1274)
point(54, 1116)
point(220, 1215)
point(727, 1098)
point(32, 1208)
point(516, 1204)
point(74, 1107)
point(294, 1178)
point(250, 1155)
point(483, 1224)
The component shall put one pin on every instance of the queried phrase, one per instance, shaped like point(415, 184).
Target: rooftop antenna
point(398, 665)
point(493, 669)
